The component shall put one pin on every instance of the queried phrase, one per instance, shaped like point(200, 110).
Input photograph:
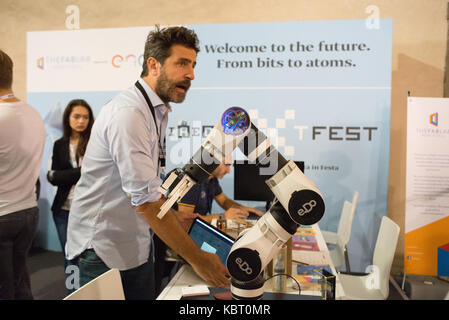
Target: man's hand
point(208, 266)
point(236, 213)
point(208, 269)
point(249, 209)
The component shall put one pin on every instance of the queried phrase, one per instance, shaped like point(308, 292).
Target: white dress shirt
point(119, 172)
point(22, 140)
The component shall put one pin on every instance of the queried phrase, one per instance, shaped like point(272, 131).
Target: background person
point(22, 139)
point(200, 197)
point(68, 153)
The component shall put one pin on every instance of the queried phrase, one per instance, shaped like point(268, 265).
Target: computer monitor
point(250, 185)
point(211, 239)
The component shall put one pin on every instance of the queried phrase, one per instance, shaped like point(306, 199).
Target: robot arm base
point(251, 290)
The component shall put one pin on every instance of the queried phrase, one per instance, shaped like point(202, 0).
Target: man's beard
point(166, 89)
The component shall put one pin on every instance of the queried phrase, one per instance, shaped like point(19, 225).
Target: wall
point(419, 46)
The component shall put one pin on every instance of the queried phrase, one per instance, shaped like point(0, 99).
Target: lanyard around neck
point(150, 106)
point(7, 96)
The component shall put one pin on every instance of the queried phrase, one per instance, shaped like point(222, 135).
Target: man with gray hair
point(22, 139)
point(117, 195)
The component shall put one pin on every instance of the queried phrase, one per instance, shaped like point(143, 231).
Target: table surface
point(187, 277)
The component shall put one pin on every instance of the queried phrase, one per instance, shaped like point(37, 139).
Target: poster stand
point(427, 177)
point(404, 276)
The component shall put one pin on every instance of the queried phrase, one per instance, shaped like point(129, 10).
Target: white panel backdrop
point(319, 89)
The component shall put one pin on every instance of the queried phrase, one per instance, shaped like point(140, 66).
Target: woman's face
point(79, 118)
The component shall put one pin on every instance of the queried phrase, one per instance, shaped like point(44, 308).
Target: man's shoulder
point(22, 111)
point(36, 116)
point(12, 108)
point(215, 187)
point(125, 100)
point(213, 181)
point(127, 97)
point(192, 195)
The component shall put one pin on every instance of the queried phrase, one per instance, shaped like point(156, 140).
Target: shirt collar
point(154, 98)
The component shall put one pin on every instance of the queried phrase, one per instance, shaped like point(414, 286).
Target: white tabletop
point(187, 277)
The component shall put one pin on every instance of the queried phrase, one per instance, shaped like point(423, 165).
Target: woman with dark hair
point(68, 153)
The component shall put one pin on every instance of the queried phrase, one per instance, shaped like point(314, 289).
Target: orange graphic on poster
point(421, 247)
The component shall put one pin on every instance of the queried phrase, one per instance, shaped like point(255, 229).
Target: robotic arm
point(221, 141)
point(297, 200)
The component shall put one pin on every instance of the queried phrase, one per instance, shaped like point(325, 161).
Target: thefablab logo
point(436, 129)
point(62, 62)
point(40, 63)
point(434, 119)
point(119, 61)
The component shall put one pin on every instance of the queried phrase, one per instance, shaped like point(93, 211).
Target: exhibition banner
point(427, 184)
point(320, 90)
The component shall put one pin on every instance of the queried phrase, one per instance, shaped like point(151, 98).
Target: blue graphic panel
point(320, 91)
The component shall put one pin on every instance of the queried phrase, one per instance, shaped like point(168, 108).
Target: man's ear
point(154, 67)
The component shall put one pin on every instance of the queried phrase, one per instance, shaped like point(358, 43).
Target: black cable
point(284, 274)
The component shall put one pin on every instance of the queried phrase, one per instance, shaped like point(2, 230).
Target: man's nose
point(190, 74)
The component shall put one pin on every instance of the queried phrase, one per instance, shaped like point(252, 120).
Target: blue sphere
point(235, 121)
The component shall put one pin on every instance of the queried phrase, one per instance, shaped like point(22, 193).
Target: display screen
point(249, 184)
point(210, 239)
